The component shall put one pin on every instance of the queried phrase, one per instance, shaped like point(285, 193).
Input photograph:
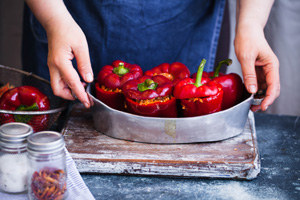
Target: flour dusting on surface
point(236, 191)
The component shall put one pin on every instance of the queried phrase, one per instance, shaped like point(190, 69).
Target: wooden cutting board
point(93, 152)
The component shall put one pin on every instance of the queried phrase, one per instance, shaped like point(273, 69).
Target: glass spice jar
point(13, 157)
point(47, 177)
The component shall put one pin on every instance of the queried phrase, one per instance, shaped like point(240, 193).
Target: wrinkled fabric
point(146, 33)
point(76, 187)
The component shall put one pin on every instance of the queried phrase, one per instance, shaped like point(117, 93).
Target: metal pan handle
point(259, 97)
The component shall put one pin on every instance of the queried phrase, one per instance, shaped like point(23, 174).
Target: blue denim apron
point(146, 33)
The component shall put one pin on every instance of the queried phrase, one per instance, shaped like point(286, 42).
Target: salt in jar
point(13, 157)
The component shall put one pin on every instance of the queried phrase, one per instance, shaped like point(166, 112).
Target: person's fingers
point(66, 41)
point(255, 108)
point(59, 86)
point(72, 79)
point(81, 53)
point(259, 64)
point(271, 95)
point(271, 71)
point(249, 73)
point(66, 82)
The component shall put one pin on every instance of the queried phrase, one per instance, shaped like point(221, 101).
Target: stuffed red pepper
point(199, 96)
point(232, 85)
point(174, 72)
point(25, 98)
point(110, 80)
point(150, 96)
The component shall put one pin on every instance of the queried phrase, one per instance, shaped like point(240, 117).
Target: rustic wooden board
point(93, 152)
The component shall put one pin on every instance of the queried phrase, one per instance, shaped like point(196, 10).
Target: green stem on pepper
point(25, 118)
point(147, 85)
point(120, 70)
point(199, 73)
point(217, 70)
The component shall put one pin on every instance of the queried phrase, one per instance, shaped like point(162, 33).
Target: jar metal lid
point(45, 142)
point(15, 132)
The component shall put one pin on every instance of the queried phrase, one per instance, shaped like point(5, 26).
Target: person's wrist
point(246, 26)
point(57, 23)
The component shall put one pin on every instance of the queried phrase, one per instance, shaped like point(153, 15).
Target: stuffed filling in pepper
point(150, 96)
point(199, 96)
point(110, 80)
point(232, 84)
point(174, 72)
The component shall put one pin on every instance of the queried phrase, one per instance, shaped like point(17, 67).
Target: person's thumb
point(249, 75)
point(82, 57)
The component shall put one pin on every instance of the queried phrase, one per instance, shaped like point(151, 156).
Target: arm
point(260, 66)
point(65, 42)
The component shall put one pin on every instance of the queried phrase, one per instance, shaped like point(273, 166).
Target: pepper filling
point(117, 90)
point(154, 100)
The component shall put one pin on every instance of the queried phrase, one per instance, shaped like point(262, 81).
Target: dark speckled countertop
point(278, 140)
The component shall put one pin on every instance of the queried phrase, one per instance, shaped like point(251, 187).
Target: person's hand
point(67, 42)
point(260, 66)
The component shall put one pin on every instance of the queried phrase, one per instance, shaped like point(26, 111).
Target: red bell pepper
point(199, 96)
point(150, 96)
point(232, 85)
point(25, 98)
point(110, 80)
point(174, 72)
